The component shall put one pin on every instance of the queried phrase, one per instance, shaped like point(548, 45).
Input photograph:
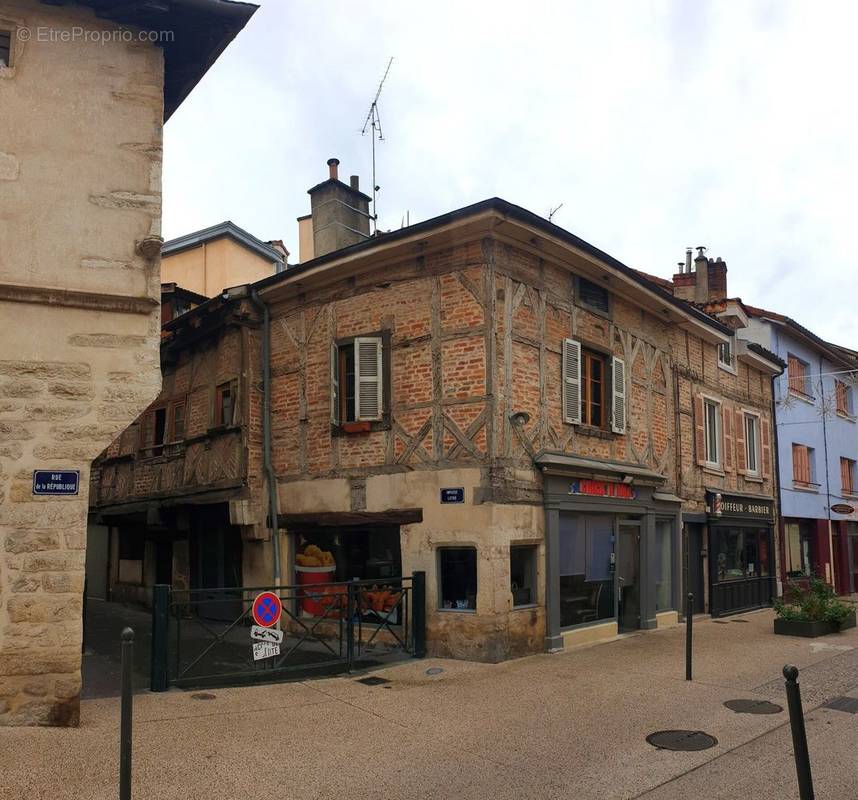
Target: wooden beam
point(337, 519)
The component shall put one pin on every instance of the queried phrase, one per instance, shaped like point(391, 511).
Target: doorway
point(694, 555)
point(853, 557)
point(628, 576)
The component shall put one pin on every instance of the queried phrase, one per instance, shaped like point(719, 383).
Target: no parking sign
point(266, 609)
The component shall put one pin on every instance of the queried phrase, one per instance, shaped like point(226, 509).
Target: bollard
point(799, 736)
point(125, 715)
point(688, 632)
point(418, 613)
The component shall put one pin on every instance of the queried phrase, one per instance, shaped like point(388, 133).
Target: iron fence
point(202, 636)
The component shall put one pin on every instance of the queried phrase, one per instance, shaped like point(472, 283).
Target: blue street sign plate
point(59, 482)
point(453, 495)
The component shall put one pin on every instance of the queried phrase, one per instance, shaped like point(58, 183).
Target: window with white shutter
point(335, 384)
point(618, 390)
point(571, 381)
point(369, 378)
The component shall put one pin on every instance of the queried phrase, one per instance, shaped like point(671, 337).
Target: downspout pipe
point(273, 527)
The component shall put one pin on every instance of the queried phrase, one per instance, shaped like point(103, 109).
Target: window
point(5, 48)
point(522, 574)
point(664, 564)
point(595, 297)
point(153, 428)
point(802, 465)
point(798, 544)
point(357, 380)
point(741, 553)
point(586, 547)
point(593, 389)
point(843, 397)
point(712, 431)
point(725, 355)
point(457, 571)
point(177, 429)
point(752, 464)
point(797, 373)
point(132, 554)
point(847, 475)
point(226, 404)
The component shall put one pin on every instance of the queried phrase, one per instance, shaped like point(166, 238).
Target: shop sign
point(729, 505)
point(456, 495)
point(265, 650)
point(602, 489)
point(842, 508)
point(65, 482)
point(266, 634)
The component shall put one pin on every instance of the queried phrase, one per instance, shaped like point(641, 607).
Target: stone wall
point(80, 173)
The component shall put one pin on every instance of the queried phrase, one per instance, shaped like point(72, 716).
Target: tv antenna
point(553, 211)
point(373, 121)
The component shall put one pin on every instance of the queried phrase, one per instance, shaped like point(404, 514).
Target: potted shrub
point(810, 608)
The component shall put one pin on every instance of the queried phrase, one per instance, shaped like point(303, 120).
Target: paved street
point(553, 726)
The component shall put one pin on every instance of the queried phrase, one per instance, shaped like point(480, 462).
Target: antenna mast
point(373, 120)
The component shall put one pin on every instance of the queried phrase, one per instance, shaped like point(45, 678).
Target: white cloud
point(657, 125)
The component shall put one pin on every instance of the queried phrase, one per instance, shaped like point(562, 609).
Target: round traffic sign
point(266, 609)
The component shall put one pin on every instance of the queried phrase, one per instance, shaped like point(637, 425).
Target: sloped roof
point(228, 229)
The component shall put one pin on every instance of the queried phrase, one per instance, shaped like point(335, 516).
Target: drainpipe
point(827, 474)
point(273, 527)
point(778, 530)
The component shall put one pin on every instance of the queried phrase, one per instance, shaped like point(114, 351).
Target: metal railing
point(202, 636)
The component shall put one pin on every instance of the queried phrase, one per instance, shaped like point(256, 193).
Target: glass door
point(628, 576)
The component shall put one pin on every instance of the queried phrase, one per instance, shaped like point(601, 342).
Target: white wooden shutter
point(571, 381)
point(618, 405)
point(335, 384)
point(368, 372)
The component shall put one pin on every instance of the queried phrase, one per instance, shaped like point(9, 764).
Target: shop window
point(586, 569)
point(153, 428)
point(132, 552)
point(522, 574)
point(798, 544)
point(664, 559)
point(802, 466)
point(457, 571)
point(358, 371)
point(752, 464)
point(593, 388)
point(712, 432)
point(798, 376)
point(226, 403)
point(843, 398)
point(847, 475)
point(594, 297)
point(341, 554)
point(177, 423)
point(740, 553)
point(5, 48)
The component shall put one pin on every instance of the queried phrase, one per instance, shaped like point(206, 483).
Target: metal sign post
point(688, 634)
point(125, 715)
point(799, 735)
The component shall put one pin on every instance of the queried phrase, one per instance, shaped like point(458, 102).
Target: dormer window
point(725, 355)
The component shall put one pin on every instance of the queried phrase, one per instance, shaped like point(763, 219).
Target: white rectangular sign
point(265, 650)
point(266, 634)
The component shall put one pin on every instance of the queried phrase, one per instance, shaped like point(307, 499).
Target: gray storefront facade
point(612, 549)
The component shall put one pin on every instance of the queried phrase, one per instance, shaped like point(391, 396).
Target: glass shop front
point(741, 553)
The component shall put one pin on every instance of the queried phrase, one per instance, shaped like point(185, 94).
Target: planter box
point(791, 627)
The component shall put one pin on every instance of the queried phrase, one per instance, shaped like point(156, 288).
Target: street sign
point(265, 650)
point(266, 609)
point(454, 495)
point(60, 482)
point(266, 634)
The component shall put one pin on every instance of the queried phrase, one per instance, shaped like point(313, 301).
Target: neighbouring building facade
point(489, 399)
point(817, 440)
point(80, 238)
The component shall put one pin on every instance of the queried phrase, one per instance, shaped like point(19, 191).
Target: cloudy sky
point(657, 125)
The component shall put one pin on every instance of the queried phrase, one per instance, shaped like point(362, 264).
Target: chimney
point(685, 281)
point(339, 216)
point(717, 270)
point(701, 275)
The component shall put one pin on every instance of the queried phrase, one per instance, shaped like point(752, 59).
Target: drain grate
point(372, 680)
point(753, 707)
point(720, 621)
point(685, 741)
point(203, 696)
point(738, 620)
point(847, 704)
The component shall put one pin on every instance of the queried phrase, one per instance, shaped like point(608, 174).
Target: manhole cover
point(434, 670)
point(847, 704)
point(753, 707)
point(686, 741)
point(373, 680)
point(203, 696)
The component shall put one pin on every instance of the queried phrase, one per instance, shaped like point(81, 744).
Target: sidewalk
point(569, 726)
